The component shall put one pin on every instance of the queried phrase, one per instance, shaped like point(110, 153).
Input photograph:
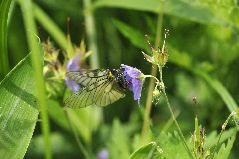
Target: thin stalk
point(145, 126)
point(37, 63)
point(83, 150)
point(170, 122)
point(50, 26)
point(173, 116)
point(4, 63)
point(91, 34)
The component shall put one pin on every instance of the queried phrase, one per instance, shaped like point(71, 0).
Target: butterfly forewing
point(88, 77)
point(98, 87)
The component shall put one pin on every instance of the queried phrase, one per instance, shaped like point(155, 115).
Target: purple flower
point(135, 79)
point(103, 154)
point(73, 65)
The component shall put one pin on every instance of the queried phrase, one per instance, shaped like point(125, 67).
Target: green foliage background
point(203, 63)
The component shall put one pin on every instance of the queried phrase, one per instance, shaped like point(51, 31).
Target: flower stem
point(82, 148)
point(172, 114)
point(145, 127)
point(151, 76)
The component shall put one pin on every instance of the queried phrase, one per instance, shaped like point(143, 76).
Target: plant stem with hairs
point(172, 114)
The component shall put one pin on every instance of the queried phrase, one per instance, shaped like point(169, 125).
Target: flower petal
point(73, 65)
point(72, 84)
point(131, 75)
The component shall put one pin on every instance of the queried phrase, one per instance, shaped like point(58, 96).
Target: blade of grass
point(4, 63)
point(37, 62)
point(187, 63)
point(18, 110)
point(91, 33)
point(220, 89)
point(179, 8)
point(50, 26)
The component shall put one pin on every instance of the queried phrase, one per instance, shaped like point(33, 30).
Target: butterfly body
point(99, 87)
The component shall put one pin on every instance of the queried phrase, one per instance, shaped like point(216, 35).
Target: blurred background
point(203, 63)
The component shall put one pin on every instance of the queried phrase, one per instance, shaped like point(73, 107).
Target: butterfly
point(99, 87)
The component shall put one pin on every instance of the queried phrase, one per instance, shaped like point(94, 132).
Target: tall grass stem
point(4, 62)
point(37, 62)
point(50, 26)
point(146, 121)
point(91, 34)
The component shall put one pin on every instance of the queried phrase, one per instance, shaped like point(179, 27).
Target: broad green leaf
point(4, 64)
point(225, 149)
point(118, 141)
point(149, 150)
point(18, 110)
point(211, 139)
point(180, 8)
point(172, 146)
point(135, 36)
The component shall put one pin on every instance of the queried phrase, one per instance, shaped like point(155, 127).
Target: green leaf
point(220, 89)
point(62, 146)
point(135, 36)
point(50, 26)
point(186, 62)
point(147, 151)
point(57, 113)
point(4, 63)
point(212, 138)
point(224, 151)
point(172, 146)
point(179, 8)
point(119, 141)
point(18, 110)
point(85, 121)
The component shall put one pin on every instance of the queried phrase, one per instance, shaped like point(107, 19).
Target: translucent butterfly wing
point(97, 89)
point(87, 77)
point(109, 94)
